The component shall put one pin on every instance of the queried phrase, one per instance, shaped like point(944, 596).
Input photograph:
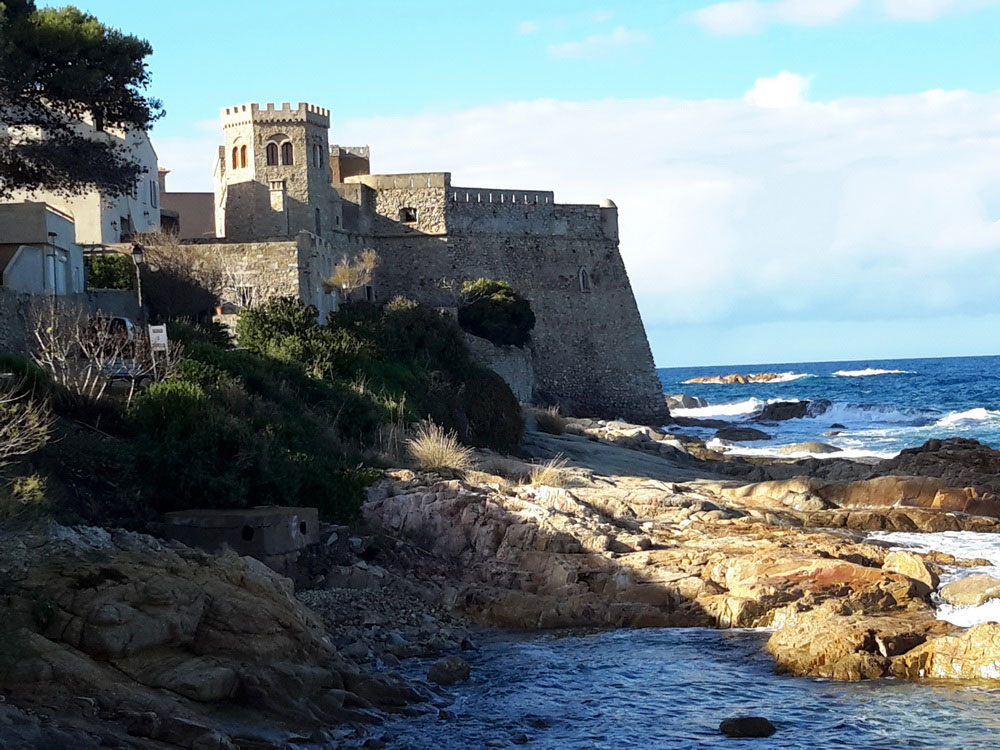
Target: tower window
point(319, 222)
point(408, 215)
point(272, 154)
point(286, 153)
point(236, 157)
point(370, 293)
point(317, 155)
point(584, 280)
point(243, 157)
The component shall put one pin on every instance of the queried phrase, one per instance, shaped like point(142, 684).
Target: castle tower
point(273, 174)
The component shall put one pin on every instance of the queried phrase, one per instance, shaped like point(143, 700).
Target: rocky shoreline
point(117, 639)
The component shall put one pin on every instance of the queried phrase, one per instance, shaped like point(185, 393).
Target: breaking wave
point(869, 371)
point(979, 414)
point(735, 409)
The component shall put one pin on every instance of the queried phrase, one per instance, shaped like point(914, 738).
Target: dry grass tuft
point(433, 447)
point(552, 473)
point(550, 420)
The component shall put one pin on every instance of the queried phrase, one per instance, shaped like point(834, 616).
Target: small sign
point(158, 338)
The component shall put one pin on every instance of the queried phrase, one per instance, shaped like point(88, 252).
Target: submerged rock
point(450, 670)
point(747, 726)
point(683, 401)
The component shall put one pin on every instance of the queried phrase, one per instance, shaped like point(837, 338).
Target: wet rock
point(837, 426)
point(780, 411)
point(808, 447)
point(449, 670)
point(971, 591)
point(741, 434)
point(747, 726)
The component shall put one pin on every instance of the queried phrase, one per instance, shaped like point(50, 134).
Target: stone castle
point(288, 206)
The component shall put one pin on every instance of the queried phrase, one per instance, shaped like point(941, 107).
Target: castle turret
point(273, 176)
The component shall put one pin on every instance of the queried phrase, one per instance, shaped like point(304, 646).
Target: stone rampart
point(512, 363)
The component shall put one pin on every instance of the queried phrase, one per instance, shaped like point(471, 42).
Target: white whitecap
point(979, 414)
point(735, 409)
point(870, 371)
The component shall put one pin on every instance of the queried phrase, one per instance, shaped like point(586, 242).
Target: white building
point(38, 251)
point(102, 220)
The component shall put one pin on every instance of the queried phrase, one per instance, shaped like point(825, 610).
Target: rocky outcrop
point(173, 644)
point(811, 446)
point(736, 377)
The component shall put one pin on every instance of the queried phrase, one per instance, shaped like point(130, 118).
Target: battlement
point(359, 151)
point(403, 181)
point(244, 114)
point(494, 195)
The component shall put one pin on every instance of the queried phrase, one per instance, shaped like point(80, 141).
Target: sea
point(879, 407)
point(670, 688)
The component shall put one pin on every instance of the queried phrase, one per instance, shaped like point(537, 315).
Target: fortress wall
point(591, 349)
point(525, 216)
point(428, 202)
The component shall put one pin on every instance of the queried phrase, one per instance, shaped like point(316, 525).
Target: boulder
point(808, 447)
point(741, 434)
point(683, 401)
point(449, 670)
point(971, 591)
point(779, 411)
point(912, 566)
point(747, 726)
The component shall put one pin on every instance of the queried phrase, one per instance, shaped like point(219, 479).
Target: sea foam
point(869, 371)
point(979, 414)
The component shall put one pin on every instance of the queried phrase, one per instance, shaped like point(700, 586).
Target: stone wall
point(592, 355)
point(511, 363)
point(13, 325)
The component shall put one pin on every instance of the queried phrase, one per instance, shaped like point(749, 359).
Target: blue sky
point(798, 179)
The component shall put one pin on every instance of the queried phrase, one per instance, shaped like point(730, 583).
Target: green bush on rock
point(493, 310)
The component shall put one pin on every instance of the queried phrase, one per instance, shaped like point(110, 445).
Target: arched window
point(243, 157)
point(584, 280)
point(272, 154)
point(286, 153)
point(236, 157)
point(317, 155)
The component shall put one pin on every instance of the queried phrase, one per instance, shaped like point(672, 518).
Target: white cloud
point(928, 10)
point(751, 16)
point(739, 17)
point(599, 45)
point(783, 91)
point(739, 217)
point(528, 27)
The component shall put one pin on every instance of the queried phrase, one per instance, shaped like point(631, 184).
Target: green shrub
point(110, 271)
point(27, 374)
point(492, 411)
point(259, 328)
point(493, 310)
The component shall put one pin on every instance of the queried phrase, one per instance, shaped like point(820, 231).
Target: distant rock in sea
point(744, 378)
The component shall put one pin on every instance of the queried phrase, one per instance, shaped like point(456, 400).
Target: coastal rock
point(450, 670)
point(808, 447)
point(780, 411)
point(683, 401)
point(969, 655)
point(833, 642)
point(910, 565)
point(971, 591)
point(741, 434)
point(747, 726)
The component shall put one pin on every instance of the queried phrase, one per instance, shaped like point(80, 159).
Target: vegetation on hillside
point(495, 311)
point(299, 416)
